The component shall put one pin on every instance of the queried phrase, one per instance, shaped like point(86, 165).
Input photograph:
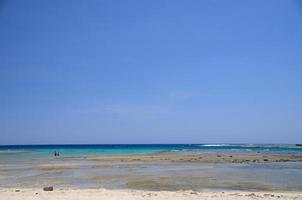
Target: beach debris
point(17, 190)
point(194, 192)
point(50, 188)
point(251, 195)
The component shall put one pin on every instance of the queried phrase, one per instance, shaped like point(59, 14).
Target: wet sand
point(199, 158)
point(94, 194)
point(169, 171)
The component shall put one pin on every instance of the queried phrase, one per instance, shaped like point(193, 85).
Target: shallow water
point(157, 176)
point(36, 167)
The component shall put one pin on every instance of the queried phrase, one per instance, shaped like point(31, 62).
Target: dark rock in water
point(265, 160)
point(299, 145)
point(17, 190)
point(48, 188)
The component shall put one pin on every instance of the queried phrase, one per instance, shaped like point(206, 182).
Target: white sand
point(103, 194)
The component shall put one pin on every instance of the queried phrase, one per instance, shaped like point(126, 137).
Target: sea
point(35, 166)
point(77, 150)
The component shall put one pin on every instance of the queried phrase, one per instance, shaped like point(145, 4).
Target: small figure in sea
point(56, 153)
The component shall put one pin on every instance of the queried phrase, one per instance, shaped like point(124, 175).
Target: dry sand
point(98, 194)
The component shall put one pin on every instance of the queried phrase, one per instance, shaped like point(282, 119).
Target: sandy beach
point(94, 194)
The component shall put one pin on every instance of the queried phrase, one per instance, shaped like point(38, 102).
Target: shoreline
point(126, 194)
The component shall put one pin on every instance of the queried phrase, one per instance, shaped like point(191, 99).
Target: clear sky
point(135, 71)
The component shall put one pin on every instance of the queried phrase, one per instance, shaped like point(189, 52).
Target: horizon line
point(83, 144)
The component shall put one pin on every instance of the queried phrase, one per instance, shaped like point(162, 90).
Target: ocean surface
point(36, 166)
point(46, 151)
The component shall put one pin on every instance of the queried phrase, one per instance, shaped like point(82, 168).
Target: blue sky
point(150, 71)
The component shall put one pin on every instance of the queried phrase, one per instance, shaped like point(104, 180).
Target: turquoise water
point(34, 166)
point(46, 151)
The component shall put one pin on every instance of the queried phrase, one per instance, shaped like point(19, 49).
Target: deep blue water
point(257, 147)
